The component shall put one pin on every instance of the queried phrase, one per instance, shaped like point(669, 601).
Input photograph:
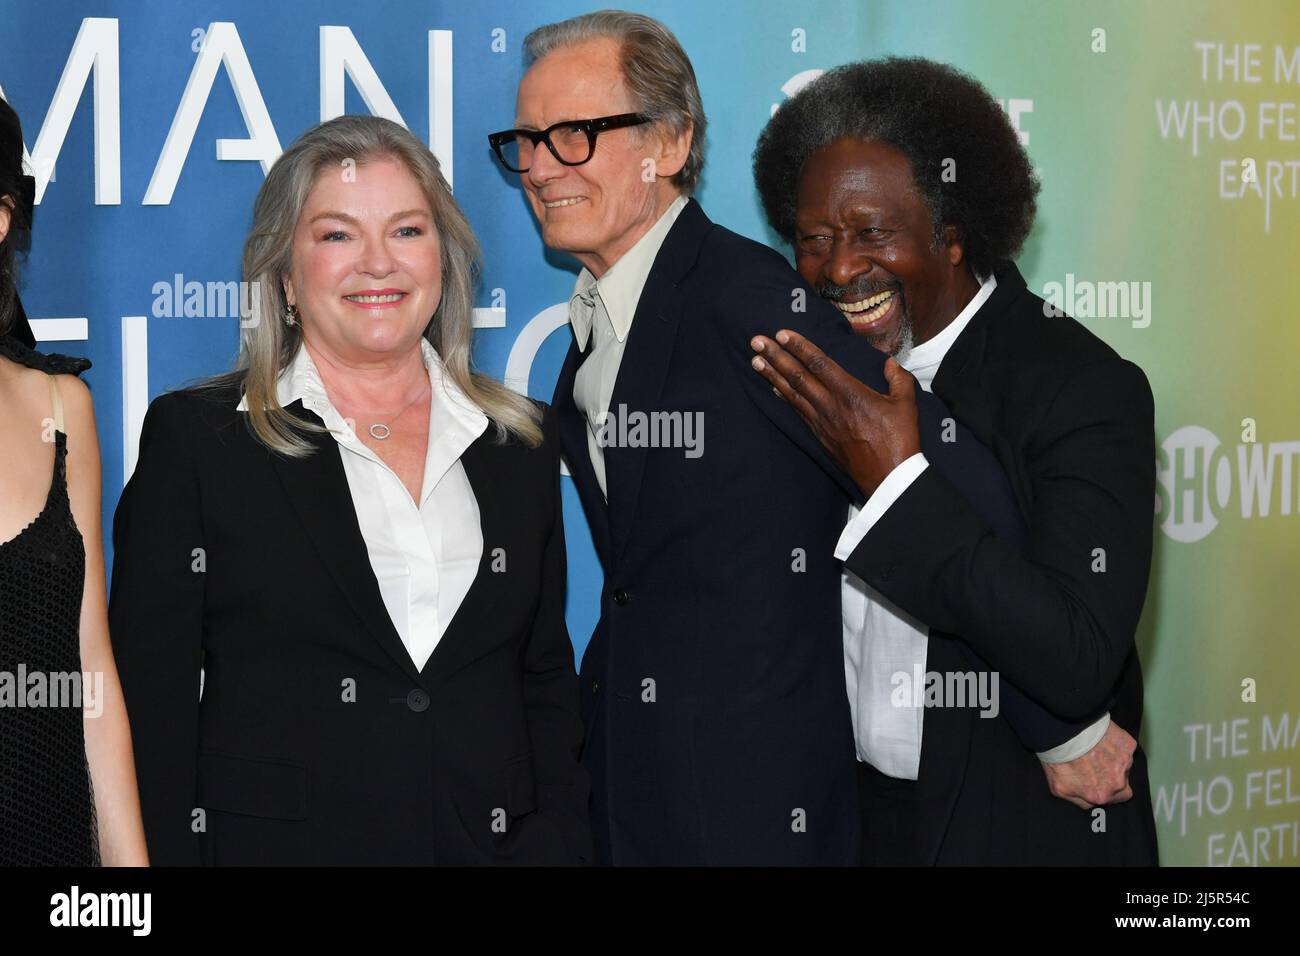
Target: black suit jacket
point(718, 725)
point(316, 740)
point(1073, 426)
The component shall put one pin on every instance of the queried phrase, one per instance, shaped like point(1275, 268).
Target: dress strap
point(57, 400)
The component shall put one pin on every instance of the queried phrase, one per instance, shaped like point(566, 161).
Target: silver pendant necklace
point(381, 431)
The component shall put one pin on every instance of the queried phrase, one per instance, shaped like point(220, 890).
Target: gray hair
point(657, 72)
point(269, 346)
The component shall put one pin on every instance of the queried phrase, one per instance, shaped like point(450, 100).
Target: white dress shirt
point(426, 556)
point(880, 639)
point(602, 310)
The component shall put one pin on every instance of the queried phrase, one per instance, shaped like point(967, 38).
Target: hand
point(1098, 777)
point(867, 433)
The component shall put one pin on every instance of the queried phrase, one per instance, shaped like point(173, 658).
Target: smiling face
point(864, 240)
point(596, 211)
point(366, 274)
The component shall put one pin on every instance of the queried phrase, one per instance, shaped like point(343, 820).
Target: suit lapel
point(962, 380)
point(317, 488)
point(645, 364)
point(573, 442)
point(485, 478)
point(637, 389)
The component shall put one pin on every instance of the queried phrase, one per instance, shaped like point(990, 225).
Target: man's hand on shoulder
point(867, 433)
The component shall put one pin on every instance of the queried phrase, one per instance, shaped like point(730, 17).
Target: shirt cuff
point(889, 491)
point(1079, 744)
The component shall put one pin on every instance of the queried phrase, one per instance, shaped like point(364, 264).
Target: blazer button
point(595, 688)
point(621, 597)
point(417, 700)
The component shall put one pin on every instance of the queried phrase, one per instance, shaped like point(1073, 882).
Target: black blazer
point(316, 740)
point(1073, 426)
point(718, 725)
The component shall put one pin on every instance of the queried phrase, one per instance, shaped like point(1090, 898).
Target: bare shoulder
point(78, 404)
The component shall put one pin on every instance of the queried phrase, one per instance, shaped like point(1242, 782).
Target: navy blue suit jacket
point(713, 690)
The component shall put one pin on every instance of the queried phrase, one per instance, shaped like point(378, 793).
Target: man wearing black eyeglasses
point(713, 689)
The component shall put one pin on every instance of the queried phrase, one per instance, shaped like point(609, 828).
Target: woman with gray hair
point(338, 589)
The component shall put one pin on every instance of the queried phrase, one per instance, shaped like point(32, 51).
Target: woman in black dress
point(67, 787)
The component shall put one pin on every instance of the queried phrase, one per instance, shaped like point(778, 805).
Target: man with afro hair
point(905, 194)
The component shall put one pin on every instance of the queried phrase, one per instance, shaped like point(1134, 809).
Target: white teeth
point(392, 297)
point(862, 306)
point(563, 202)
point(868, 310)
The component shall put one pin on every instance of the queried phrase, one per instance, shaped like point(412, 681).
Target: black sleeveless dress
point(47, 807)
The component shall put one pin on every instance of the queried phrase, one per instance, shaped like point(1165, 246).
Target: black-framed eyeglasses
point(572, 142)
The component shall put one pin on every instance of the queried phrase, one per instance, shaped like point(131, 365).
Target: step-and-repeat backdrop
point(1165, 135)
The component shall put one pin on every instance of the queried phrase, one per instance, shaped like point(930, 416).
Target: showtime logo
point(1199, 480)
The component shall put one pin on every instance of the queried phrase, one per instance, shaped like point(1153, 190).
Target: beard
point(897, 342)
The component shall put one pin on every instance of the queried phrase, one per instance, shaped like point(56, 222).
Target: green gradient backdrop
point(1121, 203)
